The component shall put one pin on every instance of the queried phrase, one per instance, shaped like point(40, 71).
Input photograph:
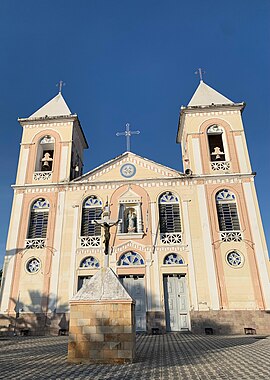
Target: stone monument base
point(102, 325)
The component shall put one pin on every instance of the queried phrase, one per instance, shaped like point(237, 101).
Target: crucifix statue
point(106, 223)
point(128, 133)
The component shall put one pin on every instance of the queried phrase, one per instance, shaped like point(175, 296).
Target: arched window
point(169, 218)
point(91, 210)
point(216, 143)
point(38, 219)
point(45, 153)
point(227, 211)
point(173, 259)
point(89, 262)
point(131, 258)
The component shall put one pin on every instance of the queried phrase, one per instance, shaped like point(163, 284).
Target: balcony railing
point(220, 165)
point(90, 241)
point(171, 238)
point(228, 236)
point(35, 243)
point(42, 176)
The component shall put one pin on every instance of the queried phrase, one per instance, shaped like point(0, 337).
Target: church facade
point(189, 247)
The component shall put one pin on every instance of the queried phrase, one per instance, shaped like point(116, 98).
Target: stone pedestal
point(102, 322)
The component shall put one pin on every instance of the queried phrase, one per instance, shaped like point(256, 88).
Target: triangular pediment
point(127, 167)
point(129, 196)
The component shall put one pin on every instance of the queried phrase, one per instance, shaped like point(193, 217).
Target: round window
point(234, 259)
point(33, 265)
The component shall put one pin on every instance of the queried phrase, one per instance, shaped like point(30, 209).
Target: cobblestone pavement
point(170, 356)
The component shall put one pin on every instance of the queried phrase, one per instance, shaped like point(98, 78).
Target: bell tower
point(52, 145)
point(211, 134)
point(215, 154)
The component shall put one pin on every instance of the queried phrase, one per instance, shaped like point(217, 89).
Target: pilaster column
point(208, 249)
point(140, 221)
point(56, 252)
point(73, 251)
point(156, 301)
point(191, 267)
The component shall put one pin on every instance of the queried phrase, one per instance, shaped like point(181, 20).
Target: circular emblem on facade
point(33, 265)
point(235, 259)
point(128, 170)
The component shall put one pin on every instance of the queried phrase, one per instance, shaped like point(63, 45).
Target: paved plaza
point(169, 356)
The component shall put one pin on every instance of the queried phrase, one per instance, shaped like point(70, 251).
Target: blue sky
point(132, 61)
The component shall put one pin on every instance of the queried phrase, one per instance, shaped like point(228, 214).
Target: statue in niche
point(47, 162)
point(131, 221)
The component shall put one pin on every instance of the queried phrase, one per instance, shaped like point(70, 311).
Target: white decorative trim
point(221, 166)
point(37, 243)
point(42, 176)
point(208, 248)
point(131, 245)
point(229, 236)
point(171, 237)
point(132, 159)
point(127, 236)
point(260, 249)
point(197, 155)
point(90, 241)
point(192, 276)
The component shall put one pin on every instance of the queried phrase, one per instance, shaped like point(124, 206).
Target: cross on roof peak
point(201, 72)
point(60, 86)
point(127, 133)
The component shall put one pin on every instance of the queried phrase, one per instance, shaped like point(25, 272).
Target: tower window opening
point(215, 143)
point(45, 154)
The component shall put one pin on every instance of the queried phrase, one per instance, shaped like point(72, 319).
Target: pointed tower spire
point(55, 107)
point(207, 96)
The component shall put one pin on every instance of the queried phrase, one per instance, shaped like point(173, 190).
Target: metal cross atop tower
point(128, 134)
point(200, 71)
point(60, 85)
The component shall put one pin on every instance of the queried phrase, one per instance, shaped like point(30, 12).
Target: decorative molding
point(229, 236)
point(171, 238)
point(90, 241)
point(220, 165)
point(42, 176)
point(213, 113)
point(135, 161)
point(35, 243)
point(134, 235)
